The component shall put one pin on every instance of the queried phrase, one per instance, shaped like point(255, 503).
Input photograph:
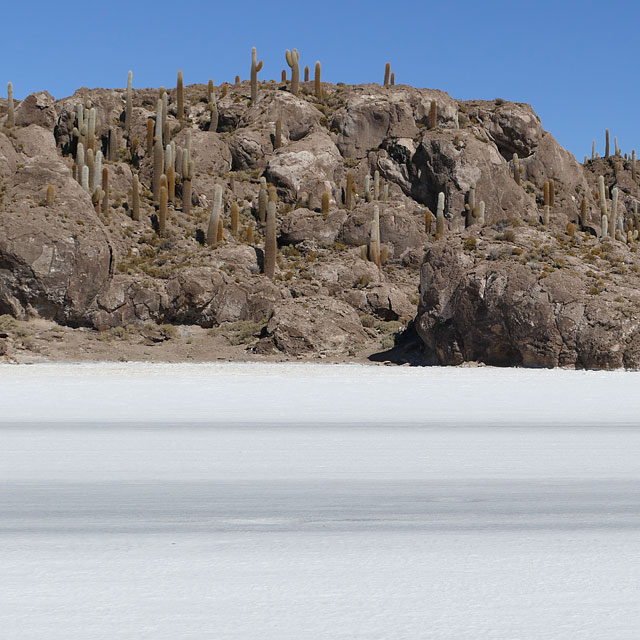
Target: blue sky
point(575, 62)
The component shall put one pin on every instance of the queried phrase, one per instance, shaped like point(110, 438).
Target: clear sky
point(574, 61)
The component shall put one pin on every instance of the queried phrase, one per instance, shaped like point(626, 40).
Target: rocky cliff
point(521, 286)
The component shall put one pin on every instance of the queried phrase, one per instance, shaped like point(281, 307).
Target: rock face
point(510, 303)
point(509, 292)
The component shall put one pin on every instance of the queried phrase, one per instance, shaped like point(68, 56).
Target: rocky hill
point(109, 223)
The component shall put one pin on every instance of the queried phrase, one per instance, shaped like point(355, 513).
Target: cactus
point(393, 78)
point(150, 126)
point(516, 169)
point(433, 115)
point(255, 68)
point(614, 211)
point(481, 208)
point(262, 200)
point(80, 161)
point(584, 213)
point(214, 217)
point(317, 81)
point(171, 184)
point(277, 138)
point(602, 193)
point(97, 171)
point(96, 199)
point(440, 216)
point(187, 177)
point(11, 113)
point(249, 233)
point(128, 109)
point(283, 77)
point(91, 165)
point(606, 149)
point(593, 150)
point(376, 185)
point(235, 217)
point(158, 131)
point(552, 192)
point(325, 204)
point(105, 189)
point(162, 211)
point(428, 218)
point(111, 145)
point(51, 194)
point(387, 74)
point(91, 129)
point(306, 73)
point(546, 215)
point(633, 165)
point(471, 205)
point(237, 80)
point(385, 193)
point(368, 196)
point(571, 229)
point(348, 197)
point(158, 168)
point(615, 146)
point(605, 227)
point(374, 239)
point(84, 178)
point(180, 97)
point(135, 198)
point(270, 243)
point(293, 60)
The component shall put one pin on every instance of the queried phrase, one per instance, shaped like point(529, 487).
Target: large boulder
point(373, 113)
point(53, 260)
point(306, 166)
point(506, 311)
point(320, 326)
point(37, 108)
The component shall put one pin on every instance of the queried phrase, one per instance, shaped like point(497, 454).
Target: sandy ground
point(27, 342)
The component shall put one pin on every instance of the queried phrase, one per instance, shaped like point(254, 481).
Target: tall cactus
point(481, 208)
point(97, 171)
point(633, 165)
point(11, 114)
point(326, 201)
point(263, 198)
point(180, 98)
point(440, 215)
point(368, 196)
point(214, 218)
point(374, 238)
point(135, 198)
point(171, 184)
point(602, 193)
point(293, 60)
point(614, 212)
point(255, 68)
point(606, 148)
point(158, 168)
point(105, 189)
point(270, 242)
point(235, 218)
point(387, 74)
point(317, 80)
point(150, 126)
point(471, 205)
point(433, 115)
point(376, 185)
point(348, 196)
point(128, 109)
point(162, 211)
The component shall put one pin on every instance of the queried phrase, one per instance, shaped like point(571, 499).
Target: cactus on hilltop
point(293, 60)
point(255, 68)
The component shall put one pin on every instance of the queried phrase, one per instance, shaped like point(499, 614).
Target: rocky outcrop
point(512, 303)
point(510, 292)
